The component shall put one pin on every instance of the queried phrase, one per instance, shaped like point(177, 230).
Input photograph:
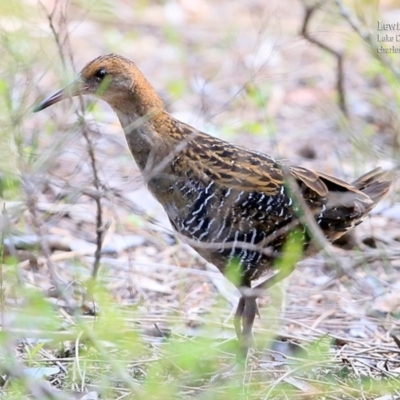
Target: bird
point(235, 206)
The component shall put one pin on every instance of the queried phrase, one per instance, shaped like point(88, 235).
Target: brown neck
point(142, 116)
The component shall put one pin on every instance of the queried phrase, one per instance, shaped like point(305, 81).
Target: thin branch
point(100, 227)
point(309, 11)
point(368, 38)
point(37, 389)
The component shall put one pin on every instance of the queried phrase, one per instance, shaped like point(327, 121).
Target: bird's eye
point(100, 74)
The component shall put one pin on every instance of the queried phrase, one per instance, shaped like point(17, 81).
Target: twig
point(100, 227)
point(2, 215)
point(309, 11)
point(55, 31)
point(291, 372)
point(38, 389)
point(368, 38)
point(37, 223)
point(396, 340)
point(118, 369)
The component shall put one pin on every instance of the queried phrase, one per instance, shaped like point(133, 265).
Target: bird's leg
point(243, 308)
point(247, 308)
point(238, 317)
point(246, 312)
point(249, 314)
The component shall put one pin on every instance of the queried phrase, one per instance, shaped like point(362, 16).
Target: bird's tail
point(375, 184)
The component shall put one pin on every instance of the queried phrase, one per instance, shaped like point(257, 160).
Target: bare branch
point(61, 44)
point(368, 38)
point(309, 11)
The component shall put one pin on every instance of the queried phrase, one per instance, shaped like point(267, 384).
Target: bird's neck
point(140, 133)
point(149, 129)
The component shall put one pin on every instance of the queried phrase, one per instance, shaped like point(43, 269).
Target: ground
point(158, 323)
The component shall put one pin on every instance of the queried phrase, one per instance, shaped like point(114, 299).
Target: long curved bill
point(76, 88)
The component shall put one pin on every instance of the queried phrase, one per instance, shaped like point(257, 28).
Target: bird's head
point(112, 78)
